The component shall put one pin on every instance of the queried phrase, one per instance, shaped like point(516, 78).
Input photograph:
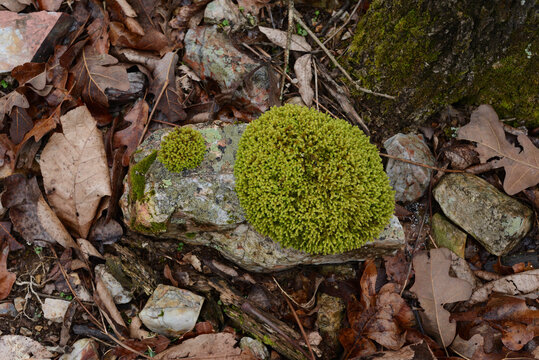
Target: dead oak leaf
point(434, 288)
point(11, 100)
point(75, 171)
point(521, 167)
point(7, 279)
point(31, 215)
point(93, 74)
point(129, 137)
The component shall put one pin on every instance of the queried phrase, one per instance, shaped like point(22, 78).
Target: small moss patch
point(181, 149)
point(137, 175)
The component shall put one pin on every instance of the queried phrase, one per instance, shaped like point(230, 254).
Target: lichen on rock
point(434, 53)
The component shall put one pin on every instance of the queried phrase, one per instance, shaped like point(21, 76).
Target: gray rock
point(212, 55)
point(218, 11)
point(8, 309)
point(54, 309)
point(116, 290)
point(494, 219)
point(329, 318)
point(409, 181)
point(200, 207)
point(171, 311)
point(447, 235)
point(258, 349)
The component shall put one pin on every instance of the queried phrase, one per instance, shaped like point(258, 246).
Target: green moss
point(182, 149)
point(266, 340)
point(154, 228)
point(137, 175)
point(311, 182)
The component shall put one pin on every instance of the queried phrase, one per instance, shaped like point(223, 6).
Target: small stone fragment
point(494, 219)
point(119, 294)
point(224, 13)
point(7, 309)
point(329, 319)
point(171, 311)
point(25, 331)
point(19, 303)
point(83, 349)
point(447, 235)
point(409, 181)
point(29, 37)
point(258, 349)
point(54, 309)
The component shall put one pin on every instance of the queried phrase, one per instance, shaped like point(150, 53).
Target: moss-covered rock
point(181, 149)
point(312, 182)
point(433, 53)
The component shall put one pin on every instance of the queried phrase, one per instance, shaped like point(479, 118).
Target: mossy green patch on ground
point(154, 228)
point(137, 174)
point(183, 148)
point(431, 54)
point(311, 182)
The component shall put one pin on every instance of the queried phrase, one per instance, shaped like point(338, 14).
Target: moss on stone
point(137, 175)
point(311, 182)
point(431, 54)
point(154, 228)
point(181, 149)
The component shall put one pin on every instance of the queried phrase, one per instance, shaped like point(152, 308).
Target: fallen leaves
point(517, 284)
point(7, 279)
point(304, 74)
point(521, 166)
point(432, 282)
point(31, 215)
point(278, 37)
point(22, 347)
point(129, 137)
point(75, 171)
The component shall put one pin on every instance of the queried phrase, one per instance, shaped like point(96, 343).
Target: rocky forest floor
point(88, 82)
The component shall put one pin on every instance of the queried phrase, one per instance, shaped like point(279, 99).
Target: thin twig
point(288, 41)
point(345, 23)
point(421, 164)
point(335, 62)
point(297, 320)
point(165, 85)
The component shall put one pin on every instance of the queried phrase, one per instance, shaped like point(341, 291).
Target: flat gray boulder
point(200, 207)
point(494, 219)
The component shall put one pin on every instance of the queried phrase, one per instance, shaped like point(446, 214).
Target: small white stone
point(171, 311)
point(54, 309)
point(119, 294)
point(256, 347)
point(19, 303)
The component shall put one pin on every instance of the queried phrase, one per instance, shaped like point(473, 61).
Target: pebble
point(116, 290)
point(55, 309)
point(258, 349)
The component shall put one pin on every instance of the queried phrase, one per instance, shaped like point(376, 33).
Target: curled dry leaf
point(521, 166)
point(31, 215)
point(278, 37)
point(11, 100)
point(431, 283)
point(7, 279)
point(75, 171)
point(95, 73)
point(523, 283)
point(129, 137)
point(304, 74)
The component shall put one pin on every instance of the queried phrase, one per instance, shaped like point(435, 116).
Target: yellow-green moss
point(137, 175)
point(154, 228)
point(311, 182)
point(181, 149)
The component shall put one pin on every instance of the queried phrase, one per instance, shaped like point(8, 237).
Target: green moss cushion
point(311, 182)
point(181, 149)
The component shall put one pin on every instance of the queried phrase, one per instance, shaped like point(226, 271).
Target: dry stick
point(421, 164)
point(297, 320)
point(335, 62)
point(288, 41)
point(92, 317)
point(153, 111)
point(345, 23)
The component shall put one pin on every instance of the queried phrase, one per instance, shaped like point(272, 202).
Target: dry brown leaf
point(8, 102)
point(7, 156)
point(7, 279)
point(129, 137)
point(106, 299)
point(15, 5)
point(304, 74)
point(21, 124)
point(206, 345)
point(22, 347)
point(432, 282)
point(252, 6)
point(278, 37)
point(410, 352)
point(517, 284)
point(49, 5)
point(75, 171)
point(521, 167)
point(31, 215)
point(93, 74)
